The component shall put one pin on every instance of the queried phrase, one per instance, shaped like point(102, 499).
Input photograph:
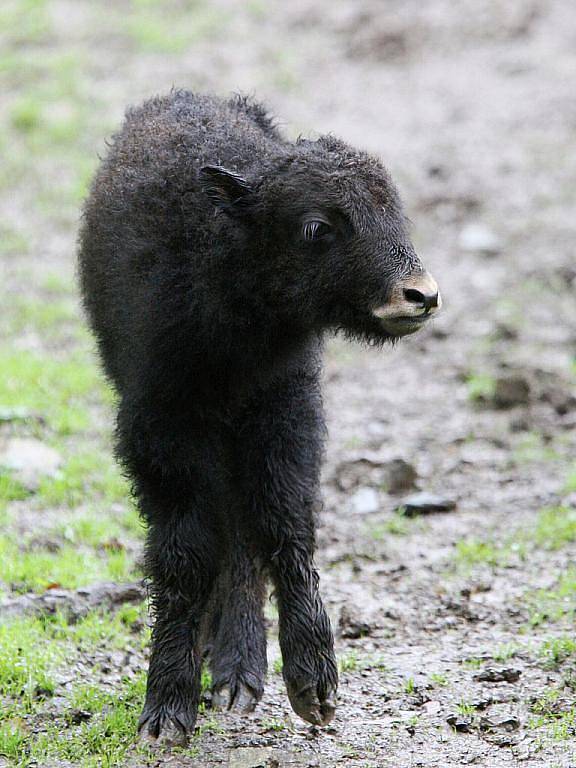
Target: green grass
point(352, 661)
point(554, 528)
point(554, 716)
point(397, 525)
point(348, 662)
point(557, 650)
point(570, 486)
point(473, 552)
point(505, 652)
point(274, 724)
point(481, 386)
point(45, 317)
point(107, 736)
point(28, 659)
point(86, 476)
point(59, 390)
point(13, 242)
point(10, 490)
point(155, 28)
point(35, 569)
point(554, 603)
point(33, 654)
point(24, 21)
point(439, 679)
point(533, 448)
point(465, 708)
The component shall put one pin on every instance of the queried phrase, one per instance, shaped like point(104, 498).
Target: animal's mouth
point(404, 325)
point(412, 303)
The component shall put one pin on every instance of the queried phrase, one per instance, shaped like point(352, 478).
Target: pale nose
point(426, 300)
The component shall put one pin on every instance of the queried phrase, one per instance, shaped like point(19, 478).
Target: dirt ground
point(471, 106)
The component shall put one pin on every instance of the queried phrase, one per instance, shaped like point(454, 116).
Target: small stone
point(365, 501)
point(399, 476)
point(432, 707)
point(507, 724)
point(351, 624)
point(511, 390)
point(425, 503)
point(498, 675)
point(477, 238)
point(78, 716)
point(29, 460)
point(460, 723)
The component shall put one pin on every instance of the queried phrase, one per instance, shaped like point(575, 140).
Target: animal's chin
point(402, 326)
point(365, 327)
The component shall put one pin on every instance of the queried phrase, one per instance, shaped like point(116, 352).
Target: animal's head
point(328, 241)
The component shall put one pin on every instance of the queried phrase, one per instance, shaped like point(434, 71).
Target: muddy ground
point(471, 106)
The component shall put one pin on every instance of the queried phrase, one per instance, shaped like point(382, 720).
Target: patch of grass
point(533, 448)
point(10, 490)
point(106, 737)
point(58, 284)
point(98, 628)
point(24, 21)
point(505, 652)
point(553, 603)
point(351, 661)
point(86, 476)
point(472, 552)
point(69, 567)
point(43, 317)
point(555, 527)
point(397, 525)
point(13, 740)
point(439, 679)
point(277, 666)
point(553, 714)
point(409, 686)
point(274, 724)
point(27, 662)
point(465, 708)
point(481, 386)
point(473, 662)
point(157, 30)
point(557, 650)
point(570, 486)
point(59, 390)
point(33, 653)
point(348, 662)
point(282, 67)
point(12, 241)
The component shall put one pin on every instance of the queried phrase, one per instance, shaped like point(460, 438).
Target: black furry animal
point(214, 256)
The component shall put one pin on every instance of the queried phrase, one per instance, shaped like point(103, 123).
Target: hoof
point(311, 705)
point(162, 732)
point(239, 698)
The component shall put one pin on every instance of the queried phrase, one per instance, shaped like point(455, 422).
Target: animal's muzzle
point(413, 301)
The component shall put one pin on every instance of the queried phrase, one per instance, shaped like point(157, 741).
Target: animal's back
point(146, 218)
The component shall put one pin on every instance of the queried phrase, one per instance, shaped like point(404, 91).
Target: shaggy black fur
point(214, 254)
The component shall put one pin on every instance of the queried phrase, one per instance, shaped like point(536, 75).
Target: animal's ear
point(226, 190)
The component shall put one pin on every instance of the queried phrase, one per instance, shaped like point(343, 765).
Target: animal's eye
point(315, 230)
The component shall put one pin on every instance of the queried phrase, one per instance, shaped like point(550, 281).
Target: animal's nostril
point(426, 300)
point(414, 296)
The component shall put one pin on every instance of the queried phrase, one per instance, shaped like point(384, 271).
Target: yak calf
point(214, 257)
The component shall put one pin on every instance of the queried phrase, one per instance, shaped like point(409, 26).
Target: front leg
point(282, 444)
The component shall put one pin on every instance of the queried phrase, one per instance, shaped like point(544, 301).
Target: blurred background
point(447, 541)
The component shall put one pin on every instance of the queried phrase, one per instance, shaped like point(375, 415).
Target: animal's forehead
point(367, 196)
